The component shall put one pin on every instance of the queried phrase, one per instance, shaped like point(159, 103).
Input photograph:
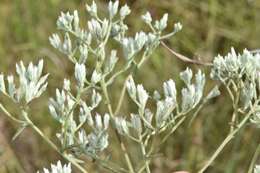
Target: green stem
point(10, 116)
point(120, 102)
point(235, 108)
point(36, 129)
point(252, 164)
point(144, 154)
point(225, 142)
point(122, 145)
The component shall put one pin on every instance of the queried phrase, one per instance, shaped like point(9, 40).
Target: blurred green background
point(210, 27)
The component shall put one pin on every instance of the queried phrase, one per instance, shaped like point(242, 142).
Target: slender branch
point(10, 116)
point(184, 58)
point(36, 129)
point(122, 145)
point(197, 111)
point(147, 168)
point(235, 108)
point(253, 161)
point(225, 142)
point(120, 102)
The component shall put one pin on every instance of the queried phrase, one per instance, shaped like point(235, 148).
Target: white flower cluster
point(236, 66)
point(240, 73)
point(78, 43)
point(164, 115)
point(72, 134)
point(84, 131)
point(100, 30)
point(31, 83)
point(58, 168)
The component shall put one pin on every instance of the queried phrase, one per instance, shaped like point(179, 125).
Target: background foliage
point(209, 27)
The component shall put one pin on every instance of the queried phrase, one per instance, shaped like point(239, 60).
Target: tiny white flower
point(124, 11)
point(113, 8)
point(142, 95)
point(96, 77)
point(80, 74)
point(147, 18)
point(92, 9)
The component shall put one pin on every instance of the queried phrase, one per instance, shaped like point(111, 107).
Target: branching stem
point(46, 139)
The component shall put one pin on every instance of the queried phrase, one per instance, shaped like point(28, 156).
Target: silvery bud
point(162, 24)
point(55, 41)
point(152, 40)
point(136, 123)
point(169, 89)
point(82, 115)
point(67, 46)
point(199, 86)
point(113, 8)
point(177, 27)
point(186, 76)
point(98, 121)
point(11, 86)
point(140, 40)
point(92, 9)
point(106, 121)
point(96, 99)
point(121, 126)
point(124, 11)
point(156, 95)
point(95, 28)
point(128, 47)
point(66, 85)
point(147, 18)
point(163, 111)
point(64, 21)
point(60, 97)
point(96, 77)
point(131, 88)
point(83, 50)
point(2, 83)
point(188, 96)
point(82, 137)
point(80, 74)
point(112, 60)
point(213, 93)
point(142, 96)
point(76, 20)
point(54, 113)
point(115, 32)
